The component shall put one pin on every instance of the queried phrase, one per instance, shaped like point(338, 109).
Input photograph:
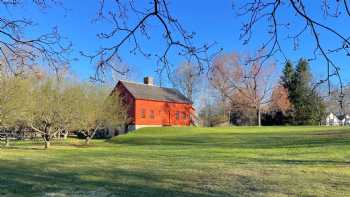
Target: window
point(184, 117)
point(151, 114)
point(143, 113)
point(177, 114)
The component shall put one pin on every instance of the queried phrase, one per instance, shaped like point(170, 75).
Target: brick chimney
point(148, 81)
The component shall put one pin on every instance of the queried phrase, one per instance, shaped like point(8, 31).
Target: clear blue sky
point(211, 20)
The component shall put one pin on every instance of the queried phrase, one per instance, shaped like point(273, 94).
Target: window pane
point(143, 113)
point(151, 114)
point(184, 115)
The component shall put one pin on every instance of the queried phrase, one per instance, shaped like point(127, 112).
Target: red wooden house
point(150, 105)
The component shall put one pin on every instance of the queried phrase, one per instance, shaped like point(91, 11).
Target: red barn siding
point(155, 112)
point(161, 113)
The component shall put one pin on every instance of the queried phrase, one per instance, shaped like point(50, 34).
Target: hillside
point(241, 161)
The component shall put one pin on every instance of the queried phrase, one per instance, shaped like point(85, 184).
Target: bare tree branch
point(175, 37)
point(259, 10)
point(20, 52)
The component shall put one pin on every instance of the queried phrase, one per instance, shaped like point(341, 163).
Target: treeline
point(50, 107)
point(244, 91)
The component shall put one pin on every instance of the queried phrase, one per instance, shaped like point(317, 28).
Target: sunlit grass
point(238, 161)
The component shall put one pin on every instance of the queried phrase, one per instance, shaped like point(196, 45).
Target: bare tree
point(268, 13)
point(243, 84)
point(14, 92)
point(279, 100)
point(20, 52)
point(100, 111)
point(46, 112)
point(132, 21)
point(186, 78)
point(332, 102)
point(131, 24)
point(125, 31)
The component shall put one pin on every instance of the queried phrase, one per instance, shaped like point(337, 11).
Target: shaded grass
point(240, 161)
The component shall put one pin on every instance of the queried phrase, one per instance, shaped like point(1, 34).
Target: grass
point(203, 162)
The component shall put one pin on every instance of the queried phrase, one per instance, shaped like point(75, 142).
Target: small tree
point(100, 111)
point(46, 110)
point(13, 91)
point(73, 97)
point(14, 101)
point(245, 81)
point(186, 78)
point(279, 100)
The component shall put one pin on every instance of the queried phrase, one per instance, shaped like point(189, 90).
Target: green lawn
point(203, 162)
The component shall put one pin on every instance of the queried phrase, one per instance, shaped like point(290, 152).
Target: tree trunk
point(258, 113)
point(87, 140)
point(7, 141)
point(126, 128)
point(90, 136)
point(47, 144)
point(47, 139)
point(229, 117)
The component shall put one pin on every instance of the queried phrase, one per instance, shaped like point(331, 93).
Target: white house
point(346, 120)
point(340, 120)
point(332, 120)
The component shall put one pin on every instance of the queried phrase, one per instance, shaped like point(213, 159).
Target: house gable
point(128, 99)
point(337, 120)
point(155, 93)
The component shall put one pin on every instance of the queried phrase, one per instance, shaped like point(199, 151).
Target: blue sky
point(213, 21)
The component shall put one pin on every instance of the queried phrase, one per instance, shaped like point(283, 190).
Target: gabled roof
point(339, 115)
point(151, 92)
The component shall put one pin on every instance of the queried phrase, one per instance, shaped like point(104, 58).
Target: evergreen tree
point(307, 105)
point(318, 108)
point(288, 80)
point(300, 94)
point(288, 72)
point(288, 83)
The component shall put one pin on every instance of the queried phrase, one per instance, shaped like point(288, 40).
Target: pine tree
point(288, 72)
point(307, 104)
point(300, 80)
point(287, 82)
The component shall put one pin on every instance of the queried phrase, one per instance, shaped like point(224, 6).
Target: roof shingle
point(150, 92)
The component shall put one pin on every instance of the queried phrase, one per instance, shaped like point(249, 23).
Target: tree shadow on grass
point(18, 179)
point(312, 162)
point(46, 179)
point(242, 140)
point(22, 148)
